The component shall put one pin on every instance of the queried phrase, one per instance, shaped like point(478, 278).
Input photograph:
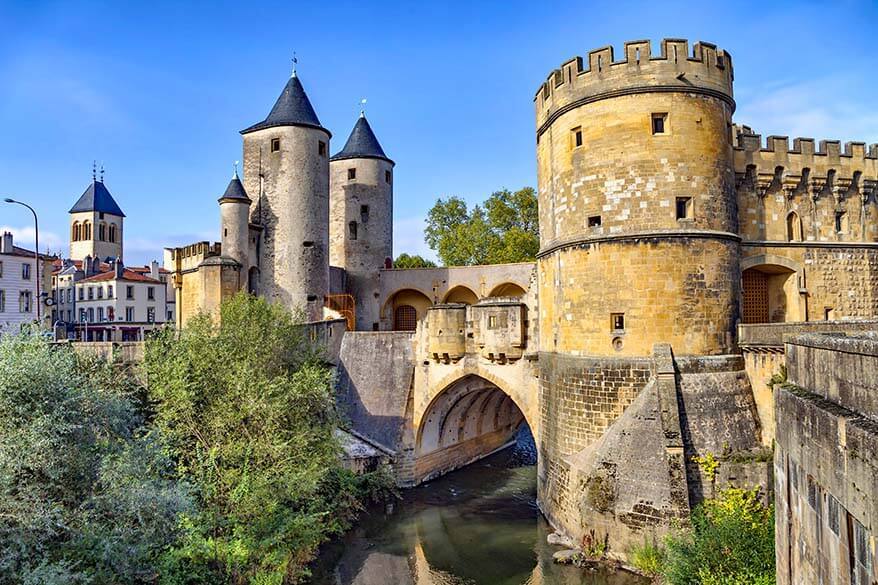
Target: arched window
point(794, 227)
point(76, 232)
point(112, 232)
point(102, 232)
point(86, 230)
point(405, 318)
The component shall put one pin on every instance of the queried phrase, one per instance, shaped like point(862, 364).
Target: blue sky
point(158, 91)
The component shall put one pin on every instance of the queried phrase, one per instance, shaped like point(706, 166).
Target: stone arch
point(406, 303)
point(467, 419)
point(508, 289)
point(771, 289)
point(794, 227)
point(461, 294)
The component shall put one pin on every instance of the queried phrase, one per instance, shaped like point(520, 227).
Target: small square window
point(684, 208)
point(352, 174)
point(618, 321)
point(659, 123)
point(492, 322)
point(275, 144)
point(577, 136)
point(352, 230)
point(364, 213)
point(387, 177)
point(594, 221)
point(321, 148)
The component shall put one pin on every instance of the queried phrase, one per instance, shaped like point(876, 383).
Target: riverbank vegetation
point(226, 471)
point(730, 542)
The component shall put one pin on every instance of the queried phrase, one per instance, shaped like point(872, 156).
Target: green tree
point(86, 492)
point(412, 261)
point(248, 409)
point(504, 229)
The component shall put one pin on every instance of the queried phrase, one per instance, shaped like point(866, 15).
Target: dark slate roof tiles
point(97, 198)
point(362, 143)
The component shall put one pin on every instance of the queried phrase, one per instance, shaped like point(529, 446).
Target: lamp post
point(36, 251)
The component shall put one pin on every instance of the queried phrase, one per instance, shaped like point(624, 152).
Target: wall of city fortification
point(290, 188)
point(683, 291)
point(361, 229)
point(776, 180)
point(705, 70)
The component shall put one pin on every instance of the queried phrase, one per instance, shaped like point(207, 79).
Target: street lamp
point(36, 250)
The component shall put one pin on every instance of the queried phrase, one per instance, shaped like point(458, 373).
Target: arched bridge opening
point(469, 419)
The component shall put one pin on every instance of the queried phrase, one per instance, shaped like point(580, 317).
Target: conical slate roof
point(292, 108)
point(235, 191)
point(97, 198)
point(362, 143)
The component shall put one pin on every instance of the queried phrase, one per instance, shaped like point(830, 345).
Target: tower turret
point(361, 217)
point(96, 223)
point(286, 164)
point(235, 225)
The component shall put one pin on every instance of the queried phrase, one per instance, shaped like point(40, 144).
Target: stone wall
point(826, 473)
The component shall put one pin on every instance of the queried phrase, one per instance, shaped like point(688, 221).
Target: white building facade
point(18, 286)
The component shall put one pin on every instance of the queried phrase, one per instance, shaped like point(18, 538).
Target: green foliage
point(86, 492)
point(248, 410)
point(504, 230)
point(731, 542)
point(414, 261)
point(709, 464)
point(648, 558)
point(779, 377)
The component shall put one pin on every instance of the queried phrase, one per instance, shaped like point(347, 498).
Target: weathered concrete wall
point(826, 472)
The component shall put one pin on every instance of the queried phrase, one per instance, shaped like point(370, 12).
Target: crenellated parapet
point(823, 168)
point(705, 70)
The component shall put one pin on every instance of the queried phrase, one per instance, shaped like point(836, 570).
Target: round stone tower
point(637, 211)
point(234, 223)
point(361, 218)
point(286, 164)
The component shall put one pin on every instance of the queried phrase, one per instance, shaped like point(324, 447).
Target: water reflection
point(476, 526)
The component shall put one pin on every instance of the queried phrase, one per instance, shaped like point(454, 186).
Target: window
point(24, 301)
point(841, 222)
point(69, 315)
point(111, 313)
point(25, 271)
point(832, 510)
point(100, 292)
point(1, 268)
point(91, 293)
point(129, 314)
point(659, 123)
point(828, 313)
point(2, 301)
point(387, 177)
point(862, 552)
point(275, 144)
point(102, 232)
point(618, 321)
point(684, 208)
point(594, 221)
point(129, 292)
point(150, 293)
point(405, 318)
point(813, 492)
point(101, 215)
point(364, 213)
point(170, 315)
point(91, 315)
point(352, 230)
point(492, 321)
point(321, 148)
point(352, 174)
point(82, 315)
point(150, 314)
point(86, 230)
point(576, 135)
point(110, 291)
point(69, 295)
point(794, 227)
point(100, 313)
point(81, 293)
point(76, 232)
point(112, 232)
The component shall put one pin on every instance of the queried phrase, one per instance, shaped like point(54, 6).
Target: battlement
point(855, 161)
point(705, 69)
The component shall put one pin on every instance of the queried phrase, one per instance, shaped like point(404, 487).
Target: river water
point(476, 526)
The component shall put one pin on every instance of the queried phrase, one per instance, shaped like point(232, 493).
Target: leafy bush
point(731, 542)
point(86, 492)
point(649, 559)
point(248, 409)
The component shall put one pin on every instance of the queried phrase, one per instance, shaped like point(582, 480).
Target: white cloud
point(829, 108)
point(24, 237)
point(408, 237)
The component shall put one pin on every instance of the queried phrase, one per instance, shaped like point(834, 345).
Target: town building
point(19, 271)
point(669, 235)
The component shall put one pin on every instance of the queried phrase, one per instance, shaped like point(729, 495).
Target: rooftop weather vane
point(362, 105)
point(236, 168)
point(102, 172)
point(295, 61)
point(94, 170)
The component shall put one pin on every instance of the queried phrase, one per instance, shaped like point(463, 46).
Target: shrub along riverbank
point(226, 471)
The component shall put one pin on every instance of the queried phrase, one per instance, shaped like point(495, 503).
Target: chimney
point(154, 270)
point(6, 244)
point(118, 267)
point(87, 266)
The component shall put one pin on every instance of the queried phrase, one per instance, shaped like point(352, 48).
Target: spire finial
point(102, 172)
point(236, 169)
point(295, 62)
point(94, 170)
point(362, 108)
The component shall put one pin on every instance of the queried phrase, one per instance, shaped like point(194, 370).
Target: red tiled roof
point(25, 253)
point(127, 274)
